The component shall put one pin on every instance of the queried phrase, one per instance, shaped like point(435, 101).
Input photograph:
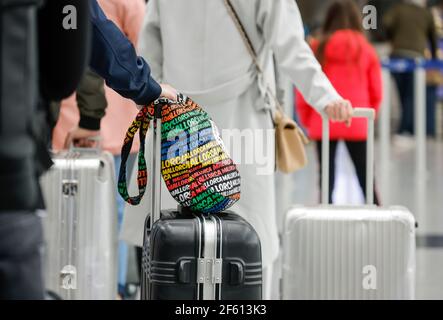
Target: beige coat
point(195, 46)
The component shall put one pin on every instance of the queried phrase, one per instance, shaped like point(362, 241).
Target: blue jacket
point(114, 58)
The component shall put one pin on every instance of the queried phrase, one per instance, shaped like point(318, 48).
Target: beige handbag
point(290, 144)
point(290, 139)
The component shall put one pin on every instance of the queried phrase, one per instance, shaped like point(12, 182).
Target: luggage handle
point(155, 211)
point(98, 147)
point(155, 198)
point(369, 114)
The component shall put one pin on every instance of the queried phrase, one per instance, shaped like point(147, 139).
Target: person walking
point(352, 65)
point(411, 30)
point(196, 46)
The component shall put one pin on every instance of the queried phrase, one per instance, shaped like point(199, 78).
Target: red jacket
point(352, 66)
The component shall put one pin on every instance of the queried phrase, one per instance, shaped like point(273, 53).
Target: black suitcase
point(195, 257)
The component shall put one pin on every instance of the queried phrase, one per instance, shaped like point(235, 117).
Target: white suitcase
point(81, 226)
point(349, 253)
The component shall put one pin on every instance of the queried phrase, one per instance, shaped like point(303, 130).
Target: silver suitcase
point(349, 253)
point(81, 226)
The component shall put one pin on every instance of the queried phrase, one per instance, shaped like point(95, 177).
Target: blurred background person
point(352, 66)
point(434, 78)
point(437, 13)
point(43, 62)
point(86, 114)
point(411, 31)
point(26, 83)
point(196, 46)
point(378, 35)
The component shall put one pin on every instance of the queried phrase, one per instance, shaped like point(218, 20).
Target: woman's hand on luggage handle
point(168, 92)
point(340, 111)
point(81, 138)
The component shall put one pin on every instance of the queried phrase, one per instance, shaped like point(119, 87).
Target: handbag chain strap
point(248, 43)
point(244, 35)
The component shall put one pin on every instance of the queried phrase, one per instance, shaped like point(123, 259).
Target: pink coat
point(128, 16)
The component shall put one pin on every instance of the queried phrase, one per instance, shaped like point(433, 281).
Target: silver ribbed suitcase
point(349, 253)
point(81, 226)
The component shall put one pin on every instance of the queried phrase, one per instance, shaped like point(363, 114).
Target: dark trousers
point(405, 86)
point(139, 256)
point(21, 245)
point(357, 151)
point(431, 106)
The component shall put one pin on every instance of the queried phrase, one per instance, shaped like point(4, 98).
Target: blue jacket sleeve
point(114, 58)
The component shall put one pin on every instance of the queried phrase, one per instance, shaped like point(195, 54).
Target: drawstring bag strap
point(141, 125)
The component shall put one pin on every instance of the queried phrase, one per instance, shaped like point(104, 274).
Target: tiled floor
point(429, 277)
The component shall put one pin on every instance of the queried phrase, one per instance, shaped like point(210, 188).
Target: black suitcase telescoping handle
point(155, 198)
point(141, 124)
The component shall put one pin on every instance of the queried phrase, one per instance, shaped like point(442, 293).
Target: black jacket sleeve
point(91, 101)
point(63, 52)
